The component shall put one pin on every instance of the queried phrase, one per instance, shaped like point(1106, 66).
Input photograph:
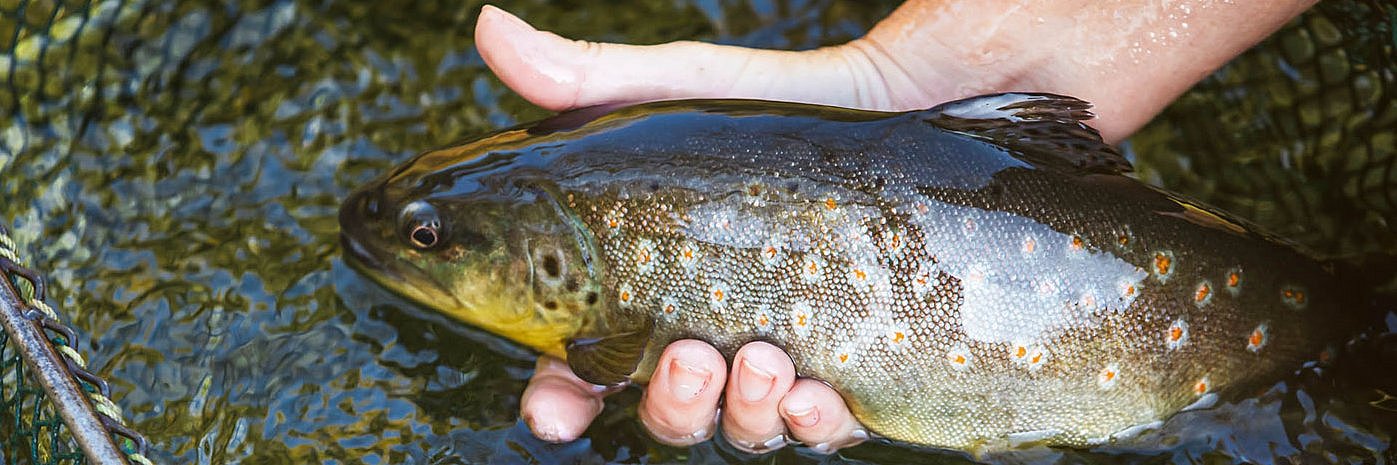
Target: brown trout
point(973, 276)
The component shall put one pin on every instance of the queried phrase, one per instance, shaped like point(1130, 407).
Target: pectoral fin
point(608, 359)
point(1044, 129)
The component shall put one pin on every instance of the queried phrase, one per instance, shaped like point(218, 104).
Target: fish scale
point(975, 276)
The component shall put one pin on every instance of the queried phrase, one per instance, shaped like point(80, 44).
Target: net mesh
point(33, 431)
point(30, 423)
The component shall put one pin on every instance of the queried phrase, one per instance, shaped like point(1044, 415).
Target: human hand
point(1129, 58)
point(765, 403)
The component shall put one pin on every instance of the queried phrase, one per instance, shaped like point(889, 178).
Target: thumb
point(557, 73)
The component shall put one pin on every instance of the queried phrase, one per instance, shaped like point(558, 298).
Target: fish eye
point(421, 225)
point(424, 236)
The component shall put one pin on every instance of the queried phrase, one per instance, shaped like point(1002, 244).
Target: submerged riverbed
point(175, 169)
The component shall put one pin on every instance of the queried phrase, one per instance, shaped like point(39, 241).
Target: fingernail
point(860, 434)
point(802, 413)
point(687, 381)
point(754, 383)
point(822, 448)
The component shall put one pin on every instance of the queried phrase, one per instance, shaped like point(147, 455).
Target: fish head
point(499, 254)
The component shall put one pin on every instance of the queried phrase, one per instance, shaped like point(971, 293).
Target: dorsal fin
point(1044, 129)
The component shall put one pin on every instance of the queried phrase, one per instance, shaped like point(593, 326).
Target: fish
point(977, 276)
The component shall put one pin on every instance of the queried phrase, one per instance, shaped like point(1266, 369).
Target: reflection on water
point(175, 168)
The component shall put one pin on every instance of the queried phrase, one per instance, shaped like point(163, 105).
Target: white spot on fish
point(802, 318)
point(1202, 386)
point(1203, 293)
point(771, 255)
point(846, 355)
point(1258, 338)
point(718, 295)
point(924, 281)
point(1177, 334)
point(1030, 246)
point(1076, 247)
point(689, 256)
point(762, 319)
point(1232, 281)
point(669, 308)
point(615, 219)
point(894, 241)
point(1109, 376)
point(1128, 289)
point(625, 295)
point(897, 337)
point(959, 357)
point(812, 268)
point(1163, 266)
point(1038, 357)
point(645, 256)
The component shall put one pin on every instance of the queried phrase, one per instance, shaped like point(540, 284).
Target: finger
point(761, 376)
point(681, 403)
point(558, 405)
point(818, 417)
point(557, 73)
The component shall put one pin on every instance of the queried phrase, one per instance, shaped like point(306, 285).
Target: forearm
point(1130, 58)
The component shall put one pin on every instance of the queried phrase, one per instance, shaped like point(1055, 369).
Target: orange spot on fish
point(1036, 358)
point(718, 294)
point(1108, 375)
point(770, 252)
point(1029, 245)
point(1123, 239)
point(1257, 339)
point(843, 358)
point(1293, 297)
point(800, 320)
point(1234, 279)
point(959, 357)
point(1202, 293)
point(1201, 387)
point(830, 203)
point(1021, 352)
point(1176, 335)
point(898, 337)
point(669, 308)
point(1078, 243)
point(1163, 263)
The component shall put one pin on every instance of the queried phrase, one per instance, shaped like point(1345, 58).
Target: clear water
point(176, 169)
